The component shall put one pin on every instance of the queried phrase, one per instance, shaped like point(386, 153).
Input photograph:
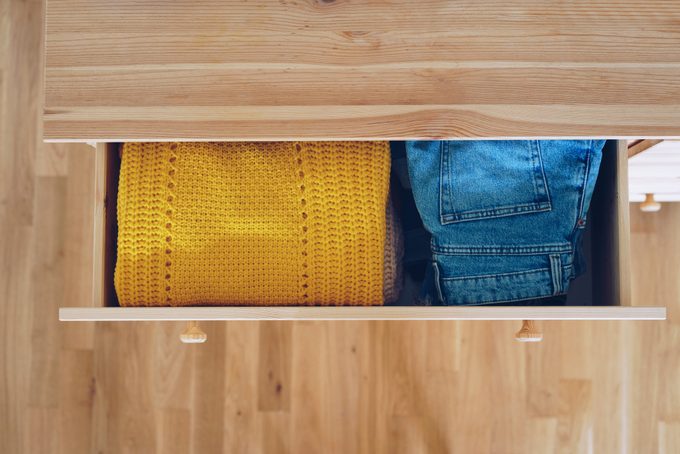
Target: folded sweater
point(285, 223)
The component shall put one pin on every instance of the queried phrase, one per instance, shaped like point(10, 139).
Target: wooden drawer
point(603, 293)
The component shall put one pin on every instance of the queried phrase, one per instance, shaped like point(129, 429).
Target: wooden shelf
point(113, 314)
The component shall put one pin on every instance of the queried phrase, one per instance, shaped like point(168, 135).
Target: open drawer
point(603, 293)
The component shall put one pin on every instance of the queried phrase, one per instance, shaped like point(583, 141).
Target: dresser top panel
point(364, 69)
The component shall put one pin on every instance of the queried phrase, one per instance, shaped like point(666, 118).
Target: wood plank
point(363, 313)
point(174, 431)
point(26, 422)
point(43, 435)
point(106, 169)
point(260, 70)
point(52, 160)
point(47, 287)
point(22, 86)
point(308, 86)
point(99, 267)
point(241, 415)
point(274, 367)
point(379, 122)
point(309, 415)
point(207, 422)
point(76, 397)
point(639, 146)
point(78, 259)
point(622, 255)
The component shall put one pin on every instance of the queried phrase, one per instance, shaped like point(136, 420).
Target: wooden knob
point(529, 332)
point(193, 334)
point(650, 205)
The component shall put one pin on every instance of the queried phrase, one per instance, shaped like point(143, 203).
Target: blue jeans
point(506, 217)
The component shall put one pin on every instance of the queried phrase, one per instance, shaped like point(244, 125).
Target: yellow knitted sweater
point(285, 223)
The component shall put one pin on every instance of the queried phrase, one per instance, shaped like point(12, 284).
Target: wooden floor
point(308, 387)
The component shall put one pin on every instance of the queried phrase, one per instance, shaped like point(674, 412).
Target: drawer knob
point(650, 205)
point(193, 334)
point(529, 332)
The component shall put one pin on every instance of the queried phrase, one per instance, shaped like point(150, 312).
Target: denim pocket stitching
point(444, 182)
point(495, 275)
point(542, 180)
point(448, 214)
point(492, 302)
point(498, 212)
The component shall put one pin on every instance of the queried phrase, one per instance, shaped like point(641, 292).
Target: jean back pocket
point(491, 179)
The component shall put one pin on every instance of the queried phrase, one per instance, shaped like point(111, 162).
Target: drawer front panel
point(362, 313)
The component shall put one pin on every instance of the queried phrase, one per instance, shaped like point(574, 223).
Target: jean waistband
point(544, 275)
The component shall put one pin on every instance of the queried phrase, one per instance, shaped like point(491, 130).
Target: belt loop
point(556, 273)
point(437, 284)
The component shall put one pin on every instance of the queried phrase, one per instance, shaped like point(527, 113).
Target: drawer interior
point(605, 282)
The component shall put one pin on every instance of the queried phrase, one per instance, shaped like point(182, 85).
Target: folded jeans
point(506, 217)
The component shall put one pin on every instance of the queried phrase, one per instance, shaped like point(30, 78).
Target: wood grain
point(363, 313)
point(622, 236)
point(639, 146)
point(381, 387)
point(311, 69)
point(274, 367)
point(366, 387)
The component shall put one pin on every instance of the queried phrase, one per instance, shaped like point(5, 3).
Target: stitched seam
point(501, 250)
point(556, 273)
point(444, 183)
point(492, 276)
point(498, 212)
point(490, 302)
point(580, 214)
point(546, 186)
point(553, 274)
point(169, 213)
point(533, 146)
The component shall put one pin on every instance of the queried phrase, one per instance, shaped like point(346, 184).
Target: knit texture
point(394, 253)
point(252, 223)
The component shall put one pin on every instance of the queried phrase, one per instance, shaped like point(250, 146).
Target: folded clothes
point(417, 255)
point(286, 223)
point(506, 217)
point(394, 255)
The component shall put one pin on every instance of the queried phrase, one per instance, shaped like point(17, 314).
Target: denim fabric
point(506, 217)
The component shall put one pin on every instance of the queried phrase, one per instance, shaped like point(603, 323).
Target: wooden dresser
point(197, 70)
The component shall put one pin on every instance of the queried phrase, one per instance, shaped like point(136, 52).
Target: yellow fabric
point(252, 223)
